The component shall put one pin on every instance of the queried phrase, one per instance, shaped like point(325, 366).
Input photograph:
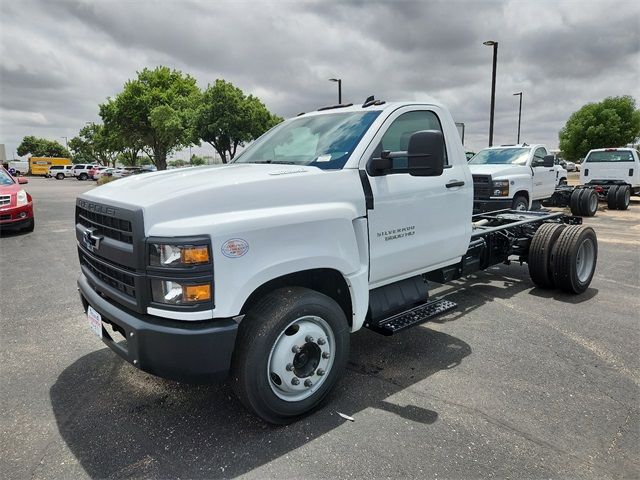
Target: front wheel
point(520, 202)
point(291, 348)
point(60, 176)
point(83, 176)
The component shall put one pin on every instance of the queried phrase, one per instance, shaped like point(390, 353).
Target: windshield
point(501, 156)
point(324, 141)
point(5, 178)
point(610, 156)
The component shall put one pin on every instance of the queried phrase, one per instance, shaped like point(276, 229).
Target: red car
point(16, 205)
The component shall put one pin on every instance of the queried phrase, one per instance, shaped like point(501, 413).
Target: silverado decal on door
point(397, 233)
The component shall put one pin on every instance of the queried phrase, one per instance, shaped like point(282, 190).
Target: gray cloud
point(61, 59)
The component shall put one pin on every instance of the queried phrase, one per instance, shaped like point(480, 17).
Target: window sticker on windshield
point(324, 158)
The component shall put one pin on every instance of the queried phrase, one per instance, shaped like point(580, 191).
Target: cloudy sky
point(60, 59)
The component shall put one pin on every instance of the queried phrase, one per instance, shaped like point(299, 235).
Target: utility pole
point(339, 81)
point(494, 44)
point(519, 113)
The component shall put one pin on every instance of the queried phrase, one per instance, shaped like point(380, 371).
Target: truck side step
point(409, 318)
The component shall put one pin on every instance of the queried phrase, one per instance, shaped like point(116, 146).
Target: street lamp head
point(490, 43)
point(334, 79)
point(519, 93)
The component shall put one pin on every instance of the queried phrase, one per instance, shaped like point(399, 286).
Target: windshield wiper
point(281, 162)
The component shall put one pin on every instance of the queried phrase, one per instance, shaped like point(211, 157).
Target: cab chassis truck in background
point(258, 271)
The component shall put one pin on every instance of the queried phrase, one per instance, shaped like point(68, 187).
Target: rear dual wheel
point(563, 256)
point(584, 202)
point(291, 348)
point(618, 197)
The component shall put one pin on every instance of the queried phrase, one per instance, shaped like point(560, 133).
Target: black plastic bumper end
point(188, 351)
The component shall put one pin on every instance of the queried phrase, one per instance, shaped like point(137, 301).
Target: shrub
point(106, 179)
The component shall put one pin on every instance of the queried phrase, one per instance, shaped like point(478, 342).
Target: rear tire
point(574, 258)
point(612, 203)
point(623, 197)
point(83, 176)
point(540, 254)
point(520, 202)
point(588, 202)
point(264, 367)
point(574, 202)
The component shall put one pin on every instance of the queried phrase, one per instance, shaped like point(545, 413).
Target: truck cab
point(612, 166)
point(512, 176)
point(258, 270)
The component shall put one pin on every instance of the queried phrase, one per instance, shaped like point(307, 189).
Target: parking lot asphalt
point(519, 382)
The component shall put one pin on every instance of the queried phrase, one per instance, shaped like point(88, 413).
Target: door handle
point(454, 183)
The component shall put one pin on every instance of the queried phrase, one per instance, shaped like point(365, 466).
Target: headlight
point(500, 188)
point(176, 293)
point(165, 255)
point(21, 198)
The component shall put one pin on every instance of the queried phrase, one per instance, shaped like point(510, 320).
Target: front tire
point(291, 348)
point(83, 176)
point(520, 202)
point(60, 176)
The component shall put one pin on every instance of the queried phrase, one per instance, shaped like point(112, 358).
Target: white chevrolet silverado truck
point(336, 220)
point(614, 173)
point(513, 176)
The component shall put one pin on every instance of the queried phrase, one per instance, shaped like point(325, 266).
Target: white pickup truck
point(514, 176)
point(614, 173)
point(332, 221)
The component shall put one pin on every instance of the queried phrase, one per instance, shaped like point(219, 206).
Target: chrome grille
point(481, 186)
point(5, 199)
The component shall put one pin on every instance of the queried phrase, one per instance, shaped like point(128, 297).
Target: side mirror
point(426, 153)
point(22, 180)
point(548, 161)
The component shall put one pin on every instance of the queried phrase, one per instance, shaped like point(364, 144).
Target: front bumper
point(491, 204)
point(177, 350)
point(16, 217)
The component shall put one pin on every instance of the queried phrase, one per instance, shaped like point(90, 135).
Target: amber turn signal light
point(196, 293)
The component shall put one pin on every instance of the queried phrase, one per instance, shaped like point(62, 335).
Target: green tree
point(156, 110)
point(41, 147)
point(228, 118)
point(614, 122)
point(95, 143)
point(128, 144)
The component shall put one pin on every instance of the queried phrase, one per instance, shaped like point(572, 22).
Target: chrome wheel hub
point(301, 358)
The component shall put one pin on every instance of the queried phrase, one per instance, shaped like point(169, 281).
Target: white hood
point(192, 192)
point(499, 170)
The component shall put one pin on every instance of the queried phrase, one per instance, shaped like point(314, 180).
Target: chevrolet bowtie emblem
point(91, 240)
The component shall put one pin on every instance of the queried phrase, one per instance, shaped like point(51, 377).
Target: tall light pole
point(65, 143)
point(494, 44)
point(519, 94)
point(339, 81)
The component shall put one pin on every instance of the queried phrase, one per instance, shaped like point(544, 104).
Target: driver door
point(417, 223)
point(544, 178)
